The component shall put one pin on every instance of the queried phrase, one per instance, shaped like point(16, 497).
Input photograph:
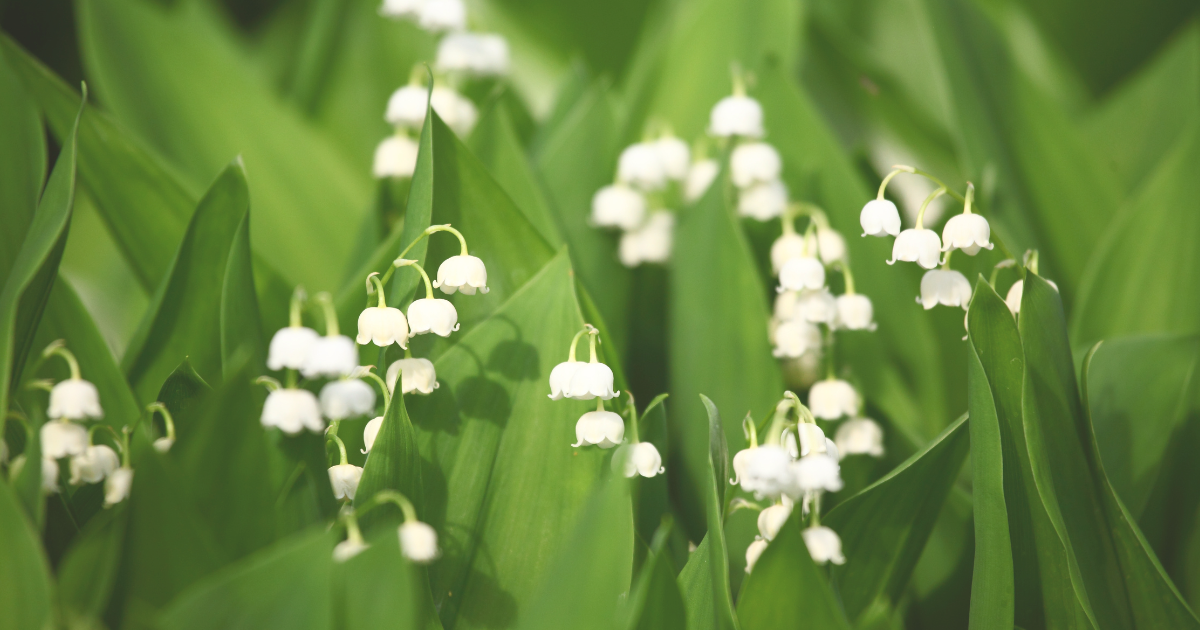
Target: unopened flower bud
point(771, 520)
point(1013, 298)
point(163, 444)
point(753, 552)
point(116, 487)
point(349, 548)
point(370, 432)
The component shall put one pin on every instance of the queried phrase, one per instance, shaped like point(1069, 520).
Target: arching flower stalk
point(164, 443)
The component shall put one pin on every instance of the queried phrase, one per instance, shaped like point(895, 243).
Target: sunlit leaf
point(25, 586)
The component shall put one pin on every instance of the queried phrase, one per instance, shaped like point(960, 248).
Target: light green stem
point(296, 306)
point(387, 396)
point(925, 204)
point(341, 448)
point(896, 170)
point(374, 277)
point(331, 321)
point(59, 348)
point(402, 262)
point(594, 335)
point(168, 421)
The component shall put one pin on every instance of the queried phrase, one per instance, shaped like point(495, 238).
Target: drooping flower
point(93, 465)
point(330, 356)
point(462, 273)
point(116, 486)
point(61, 438)
point(817, 472)
point(406, 107)
point(438, 16)
point(798, 274)
point(640, 458)
point(736, 115)
point(74, 399)
point(618, 206)
point(418, 542)
point(793, 338)
point(344, 478)
point(699, 177)
point(292, 410)
point(475, 54)
point(944, 286)
point(416, 375)
point(641, 167)
point(854, 312)
point(860, 436)
point(832, 398)
point(767, 471)
point(880, 217)
point(601, 428)
point(370, 432)
point(754, 163)
point(831, 247)
point(432, 315)
point(772, 518)
point(396, 156)
point(290, 347)
point(968, 232)
point(401, 8)
point(592, 380)
point(346, 398)
point(651, 243)
point(382, 326)
point(812, 440)
point(817, 307)
point(163, 444)
point(675, 156)
point(763, 202)
point(788, 246)
point(455, 110)
point(823, 545)
point(753, 552)
point(917, 245)
point(560, 379)
point(349, 548)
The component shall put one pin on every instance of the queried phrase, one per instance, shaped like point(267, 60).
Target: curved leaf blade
point(25, 586)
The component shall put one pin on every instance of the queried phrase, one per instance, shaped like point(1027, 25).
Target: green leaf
point(502, 486)
point(88, 571)
point(718, 341)
point(22, 162)
point(285, 586)
point(1110, 561)
point(383, 589)
point(393, 462)
point(184, 319)
point(242, 339)
point(786, 589)
point(307, 198)
point(882, 552)
point(592, 569)
point(652, 501)
point(25, 586)
point(655, 602)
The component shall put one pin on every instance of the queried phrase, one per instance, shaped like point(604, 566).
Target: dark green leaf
point(88, 571)
point(25, 587)
point(22, 162)
point(382, 589)
point(393, 462)
point(655, 602)
point(652, 496)
point(242, 340)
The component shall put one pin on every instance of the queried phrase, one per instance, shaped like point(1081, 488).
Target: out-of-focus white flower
point(944, 286)
point(650, 243)
point(831, 247)
point(817, 472)
point(798, 274)
point(349, 548)
point(831, 399)
point(292, 410)
point(396, 156)
point(61, 438)
point(477, 54)
point(163, 444)
point(49, 472)
point(699, 177)
point(641, 166)
point(406, 107)
point(401, 8)
point(344, 478)
point(432, 315)
point(592, 380)
point(290, 347)
point(817, 307)
point(418, 542)
point(74, 399)
point(370, 432)
point(675, 156)
point(812, 439)
point(736, 115)
point(767, 471)
point(330, 356)
point(442, 15)
point(383, 326)
point(788, 246)
point(456, 111)
point(831, 450)
point(823, 545)
point(859, 436)
point(640, 458)
point(917, 245)
point(93, 465)
point(787, 305)
point(416, 375)
point(968, 232)
point(462, 273)
point(116, 487)
point(771, 520)
point(1013, 298)
point(794, 338)
point(763, 202)
point(753, 552)
point(346, 399)
point(854, 312)
point(880, 217)
point(754, 163)
point(618, 206)
point(601, 428)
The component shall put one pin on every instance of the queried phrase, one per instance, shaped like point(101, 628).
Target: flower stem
point(571, 355)
point(633, 420)
point(168, 422)
point(896, 170)
point(933, 178)
point(969, 199)
point(331, 322)
point(595, 335)
point(403, 262)
point(599, 404)
point(387, 396)
point(374, 277)
point(446, 228)
point(59, 347)
point(925, 204)
point(389, 496)
point(750, 430)
point(268, 382)
point(341, 448)
point(849, 277)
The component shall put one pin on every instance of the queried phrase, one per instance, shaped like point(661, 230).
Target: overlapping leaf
point(22, 162)
point(25, 585)
point(655, 602)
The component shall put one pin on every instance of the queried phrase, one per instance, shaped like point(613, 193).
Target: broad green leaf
point(502, 484)
point(655, 602)
point(1043, 596)
point(393, 462)
point(717, 326)
point(885, 527)
point(1138, 393)
point(242, 339)
point(184, 319)
point(380, 588)
point(786, 589)
point(25, 586)
point(1109, 559)
point(307, 198)
point(28, 284)
point(88, 571)
point(592, 569)
point(22, 162)
point(1142, 275)
point(652, 501)
point(287, 585)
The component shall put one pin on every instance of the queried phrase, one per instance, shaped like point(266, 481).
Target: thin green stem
point(593, 336)
point(575, 340)
point(462, 242)
point(829, 358)
point(849, 277)
point(296, 307)
point(739, 82)
point(809, 236)
point(970, 198)
point(168, 421)
point(896, 170)
point(633, 419)
point(750, 430)
point(268, 382)
point(374, 277)
point(389, 496)
point(59, 347)
point(387, 396)
point(816, 509)
point(341, 448)
point(933, 178)
point(331, 322)
point(925, 204)
point(946, 260)
point(599, 404)
point(403, 262)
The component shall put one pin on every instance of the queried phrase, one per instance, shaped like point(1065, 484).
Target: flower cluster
point(462, 55)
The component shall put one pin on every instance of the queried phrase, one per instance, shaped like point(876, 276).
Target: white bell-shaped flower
point(61, 438)
point(812, 439)
point(786, 305)
point(292, 410)
point(618, 206)
point(651, 243)
point(944, 286)
point(831, 247)
point(739, 465)
point(771, 520)
point(455, 110)
point(439, 16)
point(699, 177)
point(344, 478)
point(560, 379)
point(754, 163)
point(823, 545)
point(831, 399)
point(406, 107)
point(290, 347)
point(920, 246)
point(116, 486)
point(601, 428)
point(163, 444)
point(768, 472)
point(817, 307)
point(49, 472)
point(396, 156)
point(794, 338)
point(640, 166)
point(788, 246)
point(1013, 298)
point(880, 217)
point(968, 232)
point(462, 273)
point(416, 375)
point(831, 450)
point(370, 432)
point(855, 312)
point(641, 458)
point(330, 356)
point(475, 54)
point(859, 436)
point(754, 552)
point(349, 548)
point(401, 8)
point(432, 315)
point(74, 399)
point(675, 156)
point(382, 326)
point(346, 398)
point(817, 472)
point(418, 542)
point(763, 202)
point(798, 274)
point(592, 380)
point(736, 115)
point(93, 465)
